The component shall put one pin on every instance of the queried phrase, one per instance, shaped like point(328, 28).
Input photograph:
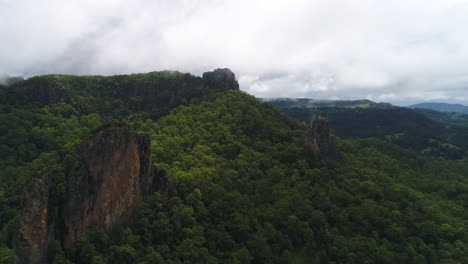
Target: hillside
point(449, 119)
point(436, 134)
point(152, 94)
point(245, 183)
point(282, 103)
point(442, 107)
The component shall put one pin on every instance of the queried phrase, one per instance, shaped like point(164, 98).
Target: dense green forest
point(426, 131)
point(243, 188)
point(285, 103)
point(450, 119)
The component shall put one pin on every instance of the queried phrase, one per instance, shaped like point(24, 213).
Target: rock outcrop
point(173, 88)
point(39, 217)
point(319, 141)
point(112, 175)
point(46, 92)
point(223, 79)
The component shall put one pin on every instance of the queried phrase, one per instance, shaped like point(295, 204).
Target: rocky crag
point(319, 141)
point(112, 175)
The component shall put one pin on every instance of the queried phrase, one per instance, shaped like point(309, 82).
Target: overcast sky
point(399, 51)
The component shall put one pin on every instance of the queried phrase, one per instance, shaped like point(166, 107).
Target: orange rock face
point(111, 177)
point(35, 231)
point(108, 181)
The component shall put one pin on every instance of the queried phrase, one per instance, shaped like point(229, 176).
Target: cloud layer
point(398, 51)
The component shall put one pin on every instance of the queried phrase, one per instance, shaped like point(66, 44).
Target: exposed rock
point(319, 141)
point(169, 88)
point(223, 79)
point(38, 221)
point(46, 92)
point(109, 180)
point(146, 91)
point(112, 175)
point(175, 88)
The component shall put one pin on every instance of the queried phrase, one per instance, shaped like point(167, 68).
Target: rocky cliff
point(154, 89)
point(38, 221)
point(223, 79)
point(45, 91)
point(319, 141)
point(112, 175)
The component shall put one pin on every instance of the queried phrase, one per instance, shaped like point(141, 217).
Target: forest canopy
point(243, 188)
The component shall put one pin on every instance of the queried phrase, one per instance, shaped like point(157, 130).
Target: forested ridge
point(442, 107)
point(242, 186)
point(439, 134)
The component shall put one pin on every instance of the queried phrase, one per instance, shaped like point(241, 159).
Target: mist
point(393, 51)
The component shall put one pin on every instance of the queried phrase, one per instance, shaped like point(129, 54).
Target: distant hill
point(442, 107)
point(427, 131)
point(281, 103)
point(449, 119)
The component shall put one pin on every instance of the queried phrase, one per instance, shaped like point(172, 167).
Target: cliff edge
point(112, 175)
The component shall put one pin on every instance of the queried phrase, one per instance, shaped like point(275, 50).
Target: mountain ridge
point(245, 183)
point(442, 107)
point(311, 103)
point(439, 133)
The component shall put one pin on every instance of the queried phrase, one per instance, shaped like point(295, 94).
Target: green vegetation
point(428, 132)
point(32, 139)
point(450, 119)
point(287, 103)
point(360, 106)
point(242, 188)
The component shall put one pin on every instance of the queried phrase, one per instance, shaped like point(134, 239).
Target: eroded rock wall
point(112, 175)
point(108, 181)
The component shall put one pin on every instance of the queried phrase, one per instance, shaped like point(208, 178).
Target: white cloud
point(387, 50)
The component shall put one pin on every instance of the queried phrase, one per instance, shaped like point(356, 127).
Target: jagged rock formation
point(111, 177)
point(319, 141)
